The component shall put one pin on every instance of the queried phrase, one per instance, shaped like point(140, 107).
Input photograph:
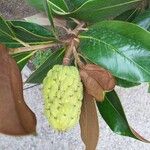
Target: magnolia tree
point(95, 45)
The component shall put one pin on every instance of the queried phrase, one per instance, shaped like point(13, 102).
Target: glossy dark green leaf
point(60, 5)
point(57, 4)
point(7, 36)
point(22, 58)
point(40, 57)
point(122, 48)
point(9, 41)
point(31, 33)
point(99, 9)
point(18, 33)
point(113, 113)
point(34, 29)
point(5, 28)
point(143, 20)
point(50, 16)
point(41, 72)
point(125, 84)
point(73, 5)
point(129, 15)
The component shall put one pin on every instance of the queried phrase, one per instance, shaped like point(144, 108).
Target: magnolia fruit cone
point(63, 94)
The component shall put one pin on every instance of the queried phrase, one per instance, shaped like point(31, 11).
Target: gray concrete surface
point(11, 9)
point(136, 102)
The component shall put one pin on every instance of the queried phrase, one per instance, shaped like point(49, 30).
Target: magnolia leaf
point(92, 86)
point(125, 83)
point(129, 15)
point(40, 57)
point(123, 52)
point(7, 36)
point(113, 113)
point(5, 28)
point(96, 80)
point(22, 58)
point(21, 33)
point(89, 123)
point(32, 28)
point(50, 16)
point(143, 20)
point(99, 10)
point(101, 75)
point(58, 5)
point(15, 116)
point(38, 75)
point(31, 33)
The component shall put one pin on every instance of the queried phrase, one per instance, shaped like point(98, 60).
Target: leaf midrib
point(8, 27)
point(31, 33)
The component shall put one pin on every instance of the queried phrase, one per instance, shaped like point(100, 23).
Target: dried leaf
point(89, 123)
point(91, 85)
point(15, 116)
point(101, 75)
point(96, 80)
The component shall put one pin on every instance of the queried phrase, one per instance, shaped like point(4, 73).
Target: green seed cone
point(63, 94)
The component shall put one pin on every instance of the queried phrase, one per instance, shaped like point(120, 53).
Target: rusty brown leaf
point(96, 80)
point(91, 85)
point(101, 75)
point(89, 123)
point(15, 116)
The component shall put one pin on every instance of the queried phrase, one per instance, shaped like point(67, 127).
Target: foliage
point(40, 57)
point(111, 42)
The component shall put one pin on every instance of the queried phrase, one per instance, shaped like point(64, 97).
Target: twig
point(68, 54)
point(77, 58)
point(72, 41)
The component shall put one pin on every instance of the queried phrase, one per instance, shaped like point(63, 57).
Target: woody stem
point(77, 58)
point(72, 43)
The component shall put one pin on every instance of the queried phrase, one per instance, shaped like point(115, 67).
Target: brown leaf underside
point(96, 80)
point(91, 85)
point(15, 116)
point(101, 75)
point(89, 123)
